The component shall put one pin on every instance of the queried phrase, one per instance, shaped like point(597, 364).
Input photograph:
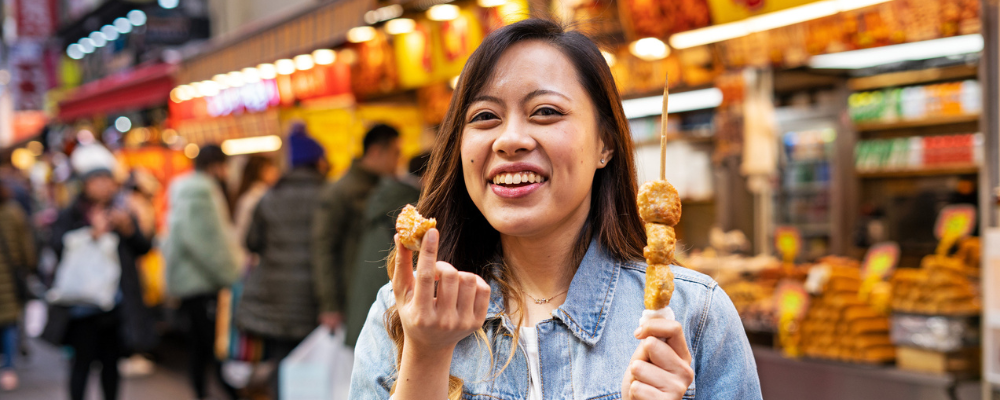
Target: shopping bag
point(89, 271)
point(318, 369)
point(232, 344)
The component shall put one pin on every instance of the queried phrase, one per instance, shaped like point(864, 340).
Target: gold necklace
point(543, 301)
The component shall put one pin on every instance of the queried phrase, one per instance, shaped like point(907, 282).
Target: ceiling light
point(208, 88)
point(123, 26)
point(847, 5)
point(649, 49)
point(953, 46)
point(185, 92)
point(360, 34)
point(711, 34)
point(250, 145)
point(175, 95)
point(324, 56)
point(136, 17)
point(679, 102)
point(443, 12)
point(191, 150)
point(236, 79)
point(251, 75)
point(123, 124)
point(222, 80)
point(75, 51)
point(110, 33)
point(99, 39)
point(383, 14)
point(304, 62)
point(400, 26)
point(491, 3)
point(285, 66)
point(87, 44)
point(199, 89)
point(169, 4)
point(791, 16)
point(609, 58)
point(267, 71)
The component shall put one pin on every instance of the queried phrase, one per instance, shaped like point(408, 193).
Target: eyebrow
point(529, 96)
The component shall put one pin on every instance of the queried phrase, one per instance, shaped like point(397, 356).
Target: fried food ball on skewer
point(411, 227)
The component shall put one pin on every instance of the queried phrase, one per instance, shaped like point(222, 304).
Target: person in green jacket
point(389, 197)
point(340, 216)
point(202, 256)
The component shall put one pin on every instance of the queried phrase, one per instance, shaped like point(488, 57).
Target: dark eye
point(547, 112)
point(483, 116)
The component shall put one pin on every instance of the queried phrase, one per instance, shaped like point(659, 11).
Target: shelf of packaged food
point(956, 169)
point(905, 78)
point(675, 137)
point(916, 123)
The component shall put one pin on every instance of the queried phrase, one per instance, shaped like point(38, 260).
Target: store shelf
point(905, 78)
point(698, 202)
point(917, 123)
point(960, 169)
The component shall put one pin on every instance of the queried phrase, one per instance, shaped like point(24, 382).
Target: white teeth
point(517, 179)
point(529, 177)
point(508, 179)
point(514, 178)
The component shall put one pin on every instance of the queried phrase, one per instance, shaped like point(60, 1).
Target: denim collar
point(588, 302)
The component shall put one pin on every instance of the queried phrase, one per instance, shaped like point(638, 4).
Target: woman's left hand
point(661, 367)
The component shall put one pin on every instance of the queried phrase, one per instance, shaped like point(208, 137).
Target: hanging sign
point(788, 241)
point(734, 10)
point(880, 261)
point(955, 221)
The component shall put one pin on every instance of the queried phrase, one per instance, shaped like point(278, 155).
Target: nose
point(513, 139)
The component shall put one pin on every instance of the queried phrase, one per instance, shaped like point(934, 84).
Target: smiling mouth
point(517, 179)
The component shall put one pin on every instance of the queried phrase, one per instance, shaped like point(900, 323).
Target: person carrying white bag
point(318, 369)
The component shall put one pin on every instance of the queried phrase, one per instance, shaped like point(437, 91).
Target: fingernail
point(432, 237)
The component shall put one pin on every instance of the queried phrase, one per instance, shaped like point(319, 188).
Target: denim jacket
point(586, 346)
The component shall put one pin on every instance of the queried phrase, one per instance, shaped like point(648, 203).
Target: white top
point(529, 339)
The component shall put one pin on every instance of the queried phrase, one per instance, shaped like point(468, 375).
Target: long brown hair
point(467, 240)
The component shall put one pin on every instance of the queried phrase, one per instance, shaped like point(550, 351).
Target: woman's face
point(531, 145)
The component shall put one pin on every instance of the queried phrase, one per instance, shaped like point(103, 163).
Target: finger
point(664, 357)
point(643, 391)
point(646, 372)
point(402, 275)
point(671, 331)
point(482, 298)
point(426, 260)
point(447, 290)
point(466, 295)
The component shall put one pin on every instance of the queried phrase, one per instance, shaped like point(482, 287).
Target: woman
point(259, 174)
point(95, 334)
point(17, 260)
point(539, 284)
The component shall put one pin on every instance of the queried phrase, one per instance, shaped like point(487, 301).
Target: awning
point(133, 90)
point(316, 27)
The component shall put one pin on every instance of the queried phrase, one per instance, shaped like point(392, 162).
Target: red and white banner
point(35, 18)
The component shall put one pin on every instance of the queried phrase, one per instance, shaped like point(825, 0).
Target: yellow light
point(36, 147)
point(221, 81)
point(348, 56)
point(304, 62)
point(267, 71)
point(400, 26)
point(360, 34)
point(324, 56)
point(186, 92)
point(199, 89)
point(236, 79)
point(649, 49)
point(251, 75)
point(170, 136)
point(250, 145)
point(209, 88)
point(491, 3)
point(285, 66)
point(22, 159)
point(792, 16)
point(443, 12)
point(191, 150)
point(711, 34)
point(453, 82)
point(609, 58)
point(175, 95)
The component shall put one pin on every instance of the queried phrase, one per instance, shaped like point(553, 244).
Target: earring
point(602, 161)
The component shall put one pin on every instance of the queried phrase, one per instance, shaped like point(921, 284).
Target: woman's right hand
point(434, 323)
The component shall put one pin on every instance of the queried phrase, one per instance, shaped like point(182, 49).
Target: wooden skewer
point(663, 132)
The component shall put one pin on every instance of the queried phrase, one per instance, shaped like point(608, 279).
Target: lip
point(515, 192)
point(516, 167)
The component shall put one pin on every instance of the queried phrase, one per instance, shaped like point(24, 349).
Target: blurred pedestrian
point(202, 256)
point(388, 199)
point(278, 302)
point(93, 333)
point(15, 182)
point(17, 260)
point(340, 217)
point(259, 174)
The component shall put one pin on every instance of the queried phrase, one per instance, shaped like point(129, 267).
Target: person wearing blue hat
point(278, 302)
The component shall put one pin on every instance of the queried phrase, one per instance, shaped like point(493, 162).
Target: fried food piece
point(659, 286)
point(659, 202)
point(660, 242)
point(411, 227)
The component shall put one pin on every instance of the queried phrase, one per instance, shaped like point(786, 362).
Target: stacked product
point(840, 326)
point(943, 285)
point(914, 153)
point(916, 102)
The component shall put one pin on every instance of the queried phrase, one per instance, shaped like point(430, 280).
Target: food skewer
point(660, 209)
